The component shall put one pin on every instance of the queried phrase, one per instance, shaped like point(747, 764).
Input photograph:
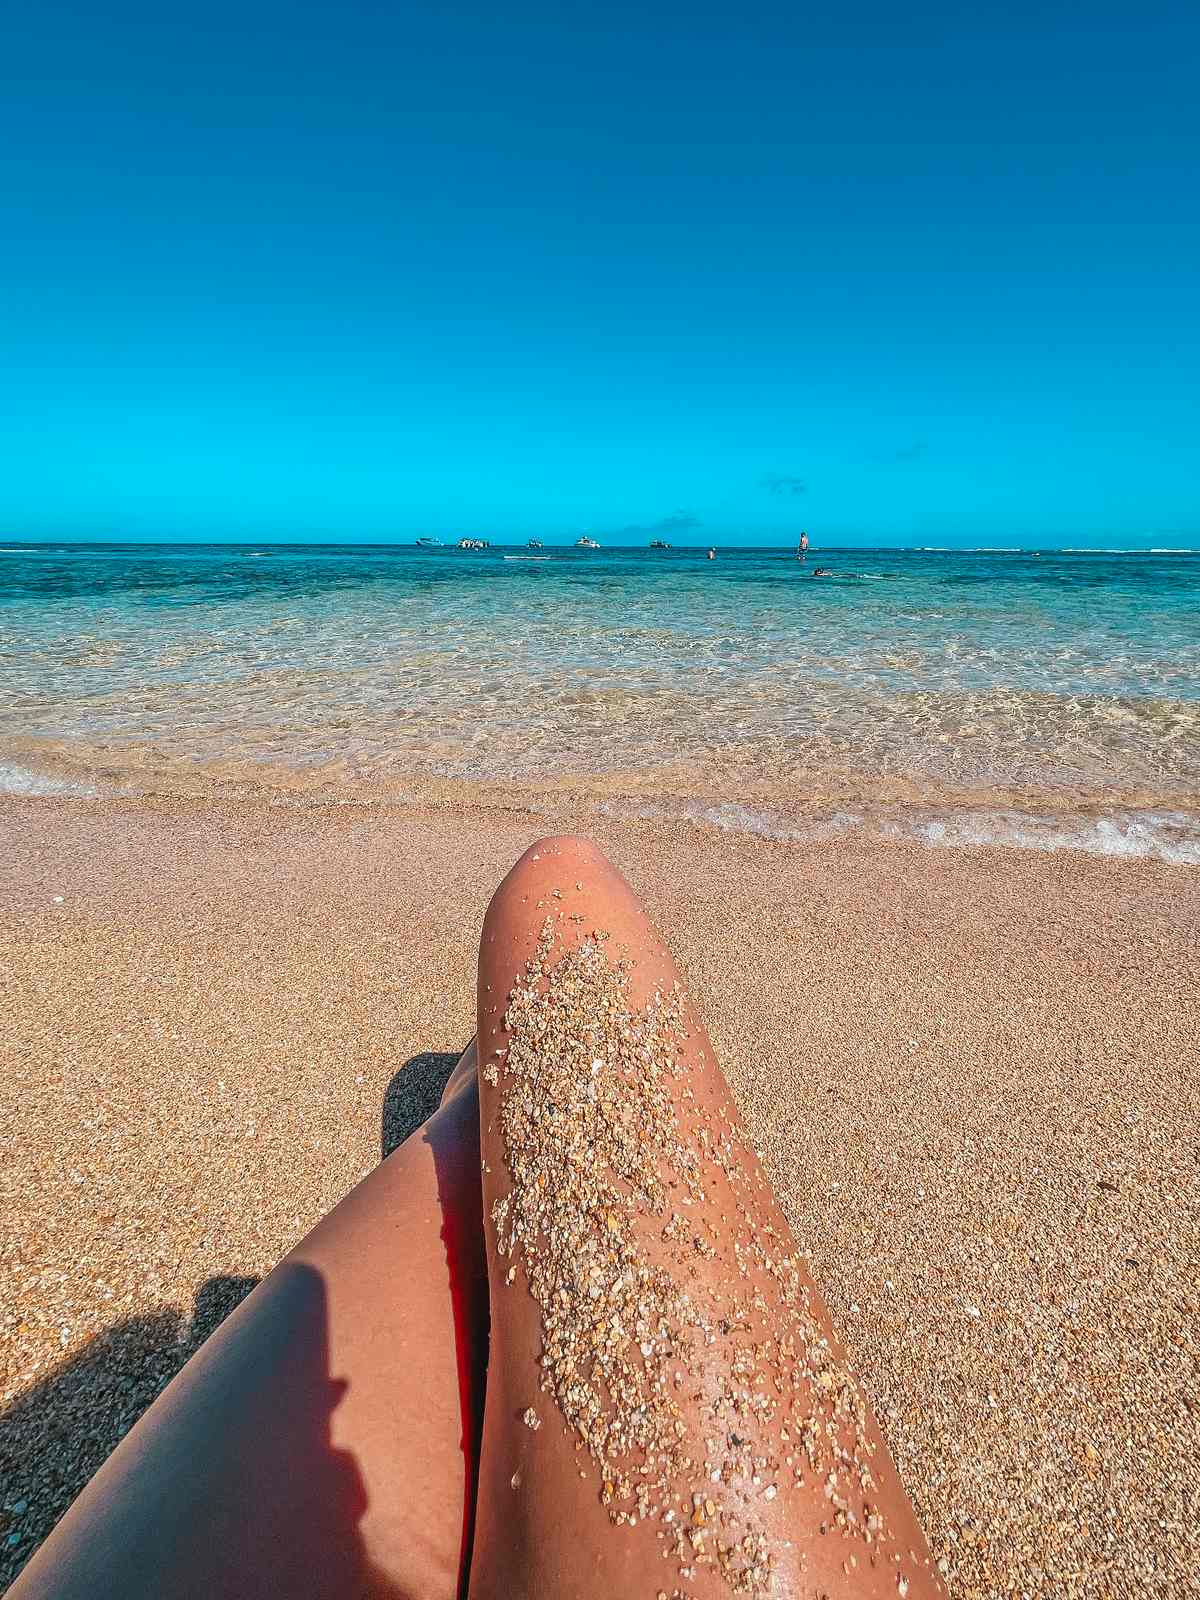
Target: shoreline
point(971, 1074)
point(807, 807)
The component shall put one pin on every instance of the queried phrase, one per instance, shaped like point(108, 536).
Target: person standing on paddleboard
point(803, 549)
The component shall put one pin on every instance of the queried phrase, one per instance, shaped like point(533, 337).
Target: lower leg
point(668, 1409)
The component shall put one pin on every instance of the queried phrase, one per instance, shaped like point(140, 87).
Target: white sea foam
point(1164, 836)
point(19, 780)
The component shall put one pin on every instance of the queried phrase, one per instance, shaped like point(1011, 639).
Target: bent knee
point(556, 855)
point(558, 862)
point(571, 846)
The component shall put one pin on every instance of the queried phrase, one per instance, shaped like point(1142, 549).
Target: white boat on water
point(586, 544)
point(429, 544)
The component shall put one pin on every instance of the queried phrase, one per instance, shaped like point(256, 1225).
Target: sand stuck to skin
point(972, 1075)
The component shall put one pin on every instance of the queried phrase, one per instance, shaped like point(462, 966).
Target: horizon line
point(14, 542)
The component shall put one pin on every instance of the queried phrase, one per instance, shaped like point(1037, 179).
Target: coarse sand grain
point(972, 1075)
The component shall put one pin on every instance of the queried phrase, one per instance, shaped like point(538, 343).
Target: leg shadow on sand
point(413, 1095)
point(56, 1435)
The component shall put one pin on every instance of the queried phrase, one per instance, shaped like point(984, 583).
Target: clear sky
point(896, 274)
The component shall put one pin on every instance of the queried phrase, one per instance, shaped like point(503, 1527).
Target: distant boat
point(428, 544)
point(533, 544)
point(659, 544)
point(586, 544)
point(472, 544)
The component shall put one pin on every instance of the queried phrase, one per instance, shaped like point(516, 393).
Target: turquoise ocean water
point(1055, 695)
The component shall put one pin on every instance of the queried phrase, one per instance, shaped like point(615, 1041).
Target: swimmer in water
point(560, 1342)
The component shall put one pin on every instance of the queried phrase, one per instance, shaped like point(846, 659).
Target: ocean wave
point(21, 781)
point(1164, 836)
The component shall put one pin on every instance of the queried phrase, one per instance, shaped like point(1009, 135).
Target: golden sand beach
point(972, 1075)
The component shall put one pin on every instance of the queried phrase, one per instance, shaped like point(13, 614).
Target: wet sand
point(971, 1074)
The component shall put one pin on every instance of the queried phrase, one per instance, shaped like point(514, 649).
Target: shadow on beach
point(56, 1436)
point(413, 1095)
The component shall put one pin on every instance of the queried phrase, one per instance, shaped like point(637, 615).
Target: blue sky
point(366, 271)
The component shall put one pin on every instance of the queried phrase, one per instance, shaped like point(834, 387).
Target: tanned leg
point(323, 1443)
point(669, 1412)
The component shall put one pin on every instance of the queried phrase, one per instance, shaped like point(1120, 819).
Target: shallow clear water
point(914, 675)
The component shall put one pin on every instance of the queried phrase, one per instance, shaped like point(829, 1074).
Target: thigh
point(669, 1411)
point(323, 1441)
